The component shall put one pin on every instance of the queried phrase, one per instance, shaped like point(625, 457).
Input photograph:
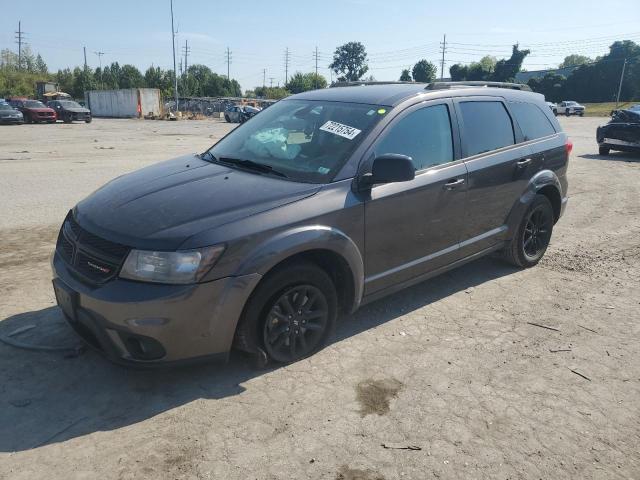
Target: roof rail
point(368, 82)
point(479, 83)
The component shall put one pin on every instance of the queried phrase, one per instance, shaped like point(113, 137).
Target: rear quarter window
point(532, 121)
point(487, 126)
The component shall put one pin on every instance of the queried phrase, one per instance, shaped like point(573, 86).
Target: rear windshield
point(308, 141)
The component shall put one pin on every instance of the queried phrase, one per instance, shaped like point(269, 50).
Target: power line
point(228, 60)
point(19, 40)
point(286, 65)
point(443, 45)
point(185, 51)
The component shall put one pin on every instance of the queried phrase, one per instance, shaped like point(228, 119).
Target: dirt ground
point(444, 380)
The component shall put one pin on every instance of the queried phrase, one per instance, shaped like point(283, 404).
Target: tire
point(555, 112)
point(604, 150)
point(531, 240)
point(226, 117)
point(67, 119)
point(581, 114)
point(567, 112)
point(274, 322)
point(88, 120)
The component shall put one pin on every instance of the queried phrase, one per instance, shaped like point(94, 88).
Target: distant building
point(524, 77)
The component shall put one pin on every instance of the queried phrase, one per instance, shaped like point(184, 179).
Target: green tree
point(405, 76)
point(302, 82)
point(506, 69)
point(350, 62)
point(552, 86)
point(424, 71)
point(272, 93)
point(40, 66)
point(130, 77)
point(574, 60)
point(458, 72)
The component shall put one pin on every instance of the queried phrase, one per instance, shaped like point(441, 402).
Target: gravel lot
point(451, 366)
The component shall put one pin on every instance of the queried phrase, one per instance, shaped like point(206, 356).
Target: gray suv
point(325, 201)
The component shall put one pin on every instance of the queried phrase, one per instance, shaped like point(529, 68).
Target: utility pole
point(187, 49)
point(286, 66)
point(624, 66)
point(100, 54)
point(180, 67)
point(443, 45)
point(19, 40)
point(264, 78)
point(173, 46)
point(271, 82)
point(228, 58)
point(315, 56)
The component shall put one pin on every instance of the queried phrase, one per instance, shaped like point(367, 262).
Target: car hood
point(40, 110)
point(8, 113)
point(77, 110)
point(161, 206)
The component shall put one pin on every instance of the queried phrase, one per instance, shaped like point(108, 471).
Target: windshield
point(70, 104)
point(5, 106)
point(572, 103)
point(308, 141)
point(34, 104)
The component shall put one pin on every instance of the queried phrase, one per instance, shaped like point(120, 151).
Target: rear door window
point(533, 122)
point(487, 126)
point(424, 135)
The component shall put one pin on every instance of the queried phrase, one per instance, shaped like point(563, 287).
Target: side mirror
point(390, 168)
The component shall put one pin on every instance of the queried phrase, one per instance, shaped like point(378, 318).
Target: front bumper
point(145, 324)
point(12, 120)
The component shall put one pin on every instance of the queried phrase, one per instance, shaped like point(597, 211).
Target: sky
point(396, 34)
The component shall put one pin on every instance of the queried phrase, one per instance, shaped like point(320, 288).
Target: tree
point(40, 66)
point(506, 69)
point(424, 71)
point(405, 76)
point(552, 86)
point(574, 61)
point(302, 82)
point(273, 93)
point(130, 77)
point(350, 62)
point(458, 72)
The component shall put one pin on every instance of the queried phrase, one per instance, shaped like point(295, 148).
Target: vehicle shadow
point(47, 398)
point(613, 157)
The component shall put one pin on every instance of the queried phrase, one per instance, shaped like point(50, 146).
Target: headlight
point(188, 266)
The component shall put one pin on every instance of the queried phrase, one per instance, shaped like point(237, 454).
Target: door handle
point(523, 163)
point(453, 183)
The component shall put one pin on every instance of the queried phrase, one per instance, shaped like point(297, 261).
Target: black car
point(10, 115)
point(622, 133)
point(239, 113)
point(69, 111)
point(323, 202)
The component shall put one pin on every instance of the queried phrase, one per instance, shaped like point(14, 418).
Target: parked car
point(622, 133)
point(553, 107)
point(239, 114)
point(569, 108)
point(325, 201)
point(68, 111)
point(34, 111)
point(9, 115)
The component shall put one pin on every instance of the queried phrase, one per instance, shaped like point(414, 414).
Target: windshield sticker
point(382, 111)
point(323, 170)
point(344, 131)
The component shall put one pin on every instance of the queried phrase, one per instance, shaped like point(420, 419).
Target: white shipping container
point(125, 103)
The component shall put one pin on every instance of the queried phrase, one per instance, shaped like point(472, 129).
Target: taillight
point(568, 147)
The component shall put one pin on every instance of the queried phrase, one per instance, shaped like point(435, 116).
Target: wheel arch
point(329, 248)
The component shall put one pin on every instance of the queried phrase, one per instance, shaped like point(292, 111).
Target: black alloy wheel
point(537, 232)
point(296, 323)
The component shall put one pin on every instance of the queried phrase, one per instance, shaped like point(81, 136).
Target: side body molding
point(306, 238)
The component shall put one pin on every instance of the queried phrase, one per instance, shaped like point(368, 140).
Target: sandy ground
point(450, 368)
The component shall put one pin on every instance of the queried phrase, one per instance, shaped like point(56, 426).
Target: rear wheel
point(226, 117)
point(87, 120)
point(567, 112)
point(604, 150)
point(530, 242)
point(290, 315)
point(67, 118)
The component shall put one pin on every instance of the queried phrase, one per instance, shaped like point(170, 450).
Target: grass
point(604, 109)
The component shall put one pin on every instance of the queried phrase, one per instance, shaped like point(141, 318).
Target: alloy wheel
point(296, 323)
point(537, 232)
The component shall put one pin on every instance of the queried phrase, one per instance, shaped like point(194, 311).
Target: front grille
point(92, 258)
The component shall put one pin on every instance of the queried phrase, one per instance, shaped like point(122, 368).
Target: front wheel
point(226, 117)
point(567, 112)
point(531, 240)
point(604, 150)
point(87, 120)
point(68, 119)
point(290, 315)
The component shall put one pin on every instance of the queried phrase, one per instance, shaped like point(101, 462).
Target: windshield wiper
point(251, 165)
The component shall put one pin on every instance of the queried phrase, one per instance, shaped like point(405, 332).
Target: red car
point(34, 111)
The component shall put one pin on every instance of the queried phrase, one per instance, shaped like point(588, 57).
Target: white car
point(553, 107)
point(569, 107)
